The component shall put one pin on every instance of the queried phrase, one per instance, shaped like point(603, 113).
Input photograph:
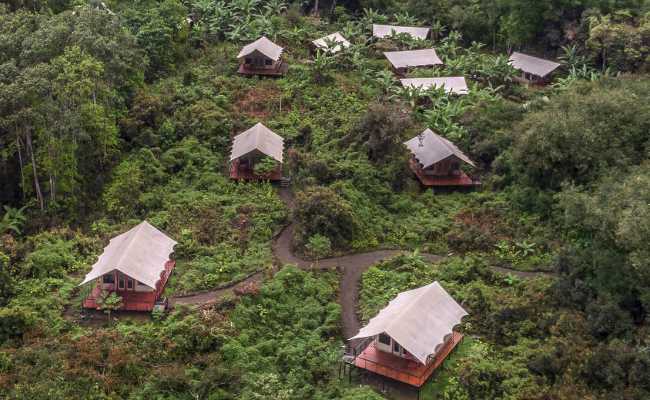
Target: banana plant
point(321, 66)
point(386, 81)
point(437, 30)
point(275, 7)
point(571, 57)
point(405, 19)
point(410, 94)
point(371, 16)
point(352, 30)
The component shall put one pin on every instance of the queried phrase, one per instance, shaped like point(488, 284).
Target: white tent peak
point(264, 46)
point(429, 148)
point(420, 320)
point(259, 138)
point(140, 253)
point(413, 58)
point(532, 65)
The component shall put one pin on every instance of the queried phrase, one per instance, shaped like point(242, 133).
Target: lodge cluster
point(411, 337)
point(435, 161)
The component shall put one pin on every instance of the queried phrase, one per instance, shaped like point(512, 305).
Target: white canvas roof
point(381, 31)
point(532, 65)
point(264, 46)
point(429, 148)
point(140, 253)
point(419, 320)
point(336, 37)
point(413, 58)
point(452, 84)
point(260, 138)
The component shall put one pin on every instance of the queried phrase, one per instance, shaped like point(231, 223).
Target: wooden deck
point(441, 181)
point(401, 369)
point(239, 173)
point(132, 300)
point(280, 70)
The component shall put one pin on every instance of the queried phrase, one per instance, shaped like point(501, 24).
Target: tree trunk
point(315, 10)
point(37, 186)
point(20, 162)
point(331, 16)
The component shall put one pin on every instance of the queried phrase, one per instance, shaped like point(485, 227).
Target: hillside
point(113, 113)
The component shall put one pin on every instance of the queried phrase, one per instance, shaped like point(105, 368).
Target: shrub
point(321, 211)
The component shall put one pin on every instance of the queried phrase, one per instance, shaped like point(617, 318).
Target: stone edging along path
point(351, 266)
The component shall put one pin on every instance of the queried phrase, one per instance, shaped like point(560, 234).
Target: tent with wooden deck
point(402, 61)
point(262, 57)
point(383, 31)
point(411, 337)
point(436, 161)
point(533, 69)
point(135, 265)
point(250, 147)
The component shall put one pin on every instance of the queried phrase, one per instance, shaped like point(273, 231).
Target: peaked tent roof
point(341, 42)
point(532, 65)
point(264, 46)
point(260, 138)
point(381, 31)
point(140, 253)
point(429, 148)
point(418, 319)
point(413, 58)
point(452, 84)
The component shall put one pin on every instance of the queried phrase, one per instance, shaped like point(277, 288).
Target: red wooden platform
point(132, 300)
point(429, 180)
point(401, 369)
point(280, 70)
point(238, 172)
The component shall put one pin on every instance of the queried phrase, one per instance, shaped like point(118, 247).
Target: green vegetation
point(114, 112)
point(109, 302)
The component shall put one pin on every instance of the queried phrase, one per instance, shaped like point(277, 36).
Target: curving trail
point(211, 296)
point(351, 266)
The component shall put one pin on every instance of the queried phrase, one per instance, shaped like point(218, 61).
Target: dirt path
point(351, 266)
point(212, 296)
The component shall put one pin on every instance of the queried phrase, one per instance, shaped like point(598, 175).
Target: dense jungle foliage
point(112, 112)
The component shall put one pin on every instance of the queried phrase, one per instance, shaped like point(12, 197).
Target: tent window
point(129, 284)
point(120, 283)
point(384, 339)
point(248, 60)
point(108, 278)
point(268, 62)
point(396, 347)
